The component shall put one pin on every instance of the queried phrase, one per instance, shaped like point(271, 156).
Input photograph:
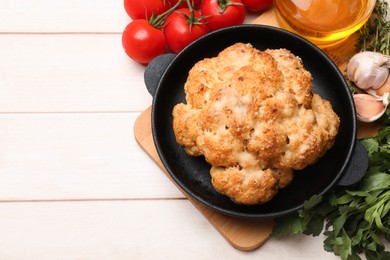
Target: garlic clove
point(379, 77)
point(385, 88)
point(352, 67)
point(370, 108)
point(368, 69)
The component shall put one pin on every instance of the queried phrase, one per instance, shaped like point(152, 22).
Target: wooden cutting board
point(243, 234)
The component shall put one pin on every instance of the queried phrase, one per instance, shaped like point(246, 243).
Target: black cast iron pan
point(344, 164)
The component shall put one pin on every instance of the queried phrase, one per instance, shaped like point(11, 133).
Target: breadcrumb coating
point(253, 116)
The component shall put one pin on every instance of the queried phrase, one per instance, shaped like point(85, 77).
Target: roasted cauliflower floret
point(253, 116)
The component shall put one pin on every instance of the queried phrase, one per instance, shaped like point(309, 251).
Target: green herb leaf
point(370, 144)
point(312, 202)
point(289, 225)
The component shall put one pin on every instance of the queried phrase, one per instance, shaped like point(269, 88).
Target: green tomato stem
point(158, 21)
point(223, 4)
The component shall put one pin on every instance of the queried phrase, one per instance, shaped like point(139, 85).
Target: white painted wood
point(80, 16)
point(62, 16)
point(68, 73)
point(164, 229)
point(74, 184)
point(76, 156)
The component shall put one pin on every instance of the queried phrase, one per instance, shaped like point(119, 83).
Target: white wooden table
point(74, 184)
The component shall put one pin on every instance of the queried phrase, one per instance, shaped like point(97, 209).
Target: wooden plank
point(62, 16)
point(69, 73)
point(76, 156)
point(163, 229)
point(71, 16)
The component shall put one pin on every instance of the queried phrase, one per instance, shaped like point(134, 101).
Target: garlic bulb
point(370, 108)
point(368, 69)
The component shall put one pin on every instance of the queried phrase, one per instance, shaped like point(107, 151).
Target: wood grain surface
point(74, 183)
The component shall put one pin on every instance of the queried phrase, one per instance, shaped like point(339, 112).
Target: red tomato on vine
point(257, 5)
point(144, 9)
point(195, 3)
point(182, 27)
point(142, 42)
point(222, 13)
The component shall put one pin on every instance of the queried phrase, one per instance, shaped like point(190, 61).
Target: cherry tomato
point(257, 5)
point(184, 4)
point(182, 27)
point(143, 9)
point(142, 42)
point(222, 13)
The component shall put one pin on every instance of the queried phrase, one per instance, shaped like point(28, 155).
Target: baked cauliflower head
point(253, 116)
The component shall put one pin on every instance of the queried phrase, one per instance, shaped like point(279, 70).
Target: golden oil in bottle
point(323, 22)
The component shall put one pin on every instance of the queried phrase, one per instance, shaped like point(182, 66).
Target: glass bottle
point(323, 22)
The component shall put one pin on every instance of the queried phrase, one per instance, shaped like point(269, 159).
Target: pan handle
point(155, 70)
point(357, 166)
